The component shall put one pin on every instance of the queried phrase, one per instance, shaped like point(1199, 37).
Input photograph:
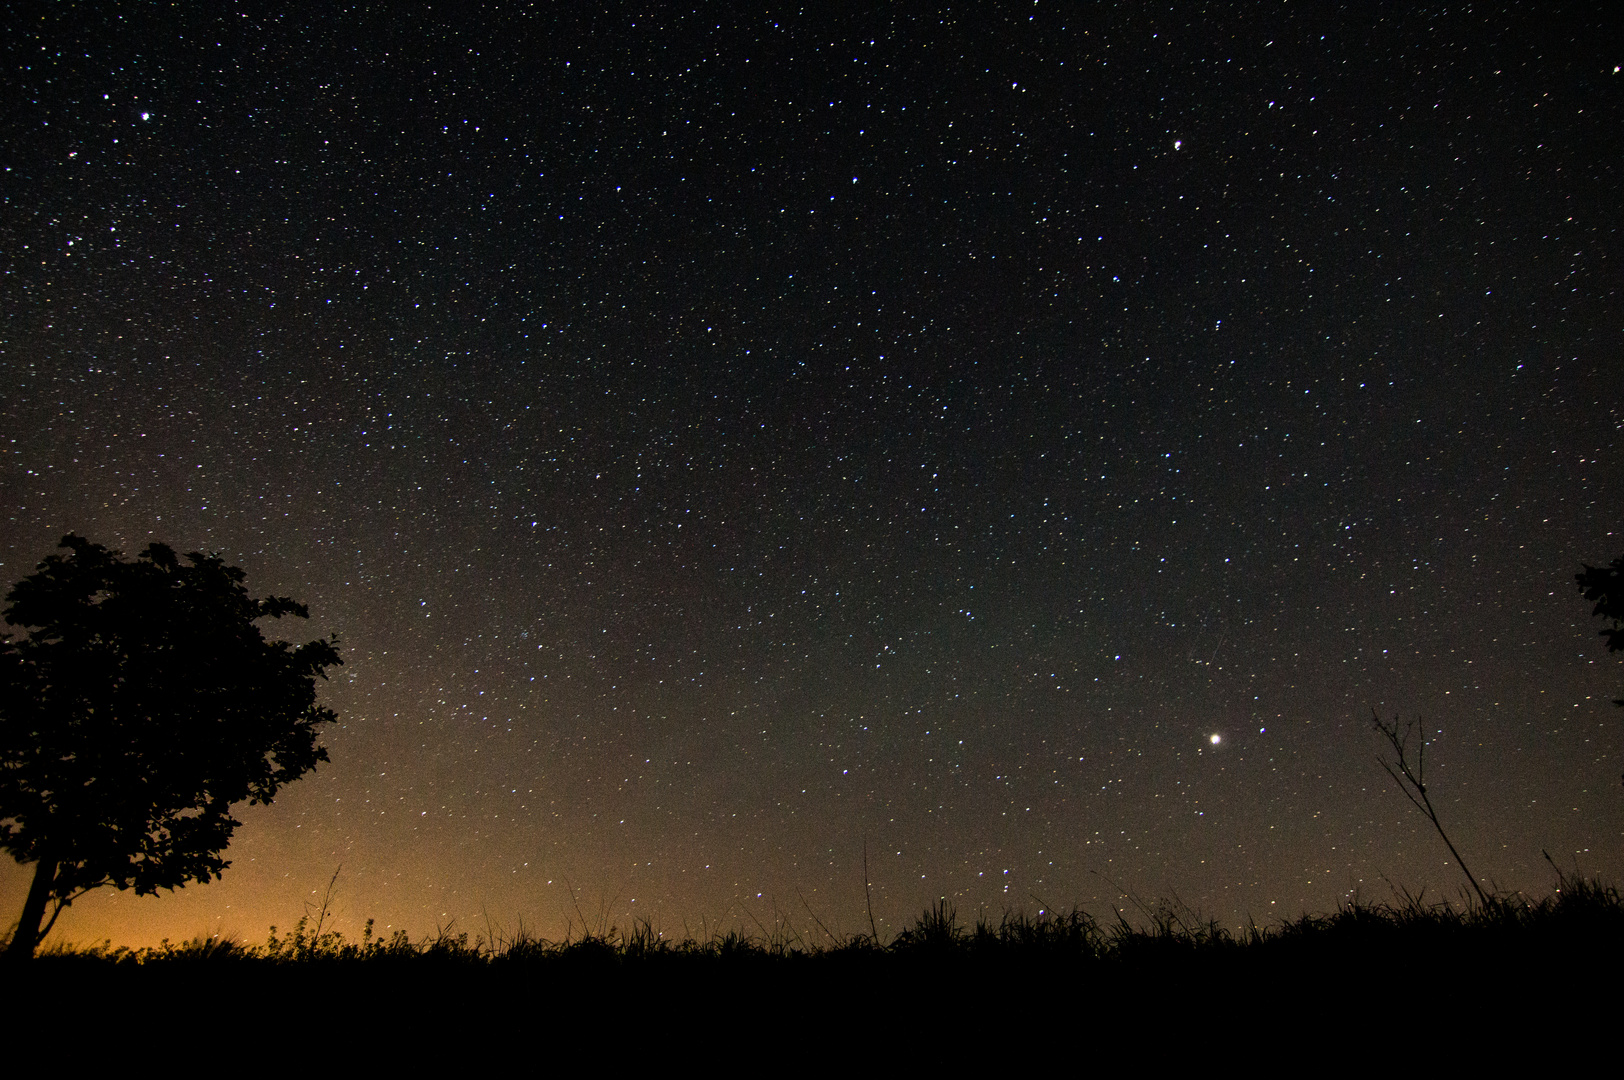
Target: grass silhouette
point(1169, 986)
point(1580, 918)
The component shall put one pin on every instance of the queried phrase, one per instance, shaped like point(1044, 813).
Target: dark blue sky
point(724, 441)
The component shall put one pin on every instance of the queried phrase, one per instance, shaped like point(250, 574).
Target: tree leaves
point(141, 704)
point(1604, 585)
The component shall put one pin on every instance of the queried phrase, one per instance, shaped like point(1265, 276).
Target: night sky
point(1025, 441)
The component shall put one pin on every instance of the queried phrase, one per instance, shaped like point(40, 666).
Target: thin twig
point(868, 895)
point(326, 901)
point(1138, 903)
point(586, 927)
point(1413, 783)
point(780, 917)
point(815, 918)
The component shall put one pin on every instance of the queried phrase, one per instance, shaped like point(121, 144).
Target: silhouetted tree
point(139, 706)
point(1605, 586)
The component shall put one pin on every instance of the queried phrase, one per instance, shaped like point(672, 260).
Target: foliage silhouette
point(139, 706)
point(1604, 585)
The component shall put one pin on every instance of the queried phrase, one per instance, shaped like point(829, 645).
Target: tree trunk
point(39, 894)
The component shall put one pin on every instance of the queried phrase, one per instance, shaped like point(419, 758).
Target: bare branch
point(1413, 783)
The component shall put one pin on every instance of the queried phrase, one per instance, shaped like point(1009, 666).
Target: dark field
point(1579, 927)
point(1378, 983)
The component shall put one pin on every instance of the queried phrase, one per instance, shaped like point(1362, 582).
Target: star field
point(1023, 443)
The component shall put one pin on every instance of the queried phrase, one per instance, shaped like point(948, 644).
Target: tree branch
point(1413, 783)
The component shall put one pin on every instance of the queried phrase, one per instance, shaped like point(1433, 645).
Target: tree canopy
point(140, 704)
point(1605, 586)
